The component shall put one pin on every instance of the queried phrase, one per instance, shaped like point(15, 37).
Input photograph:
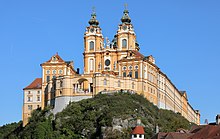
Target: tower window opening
point(124, 43)
point(91, 45)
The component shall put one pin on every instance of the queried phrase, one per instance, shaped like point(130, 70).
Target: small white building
point(138, 132)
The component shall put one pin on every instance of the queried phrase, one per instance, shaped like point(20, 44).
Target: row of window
point(92, 44)
point(119, 83)
point(48, 78)
point(130, 67)
point(138, 136)
point(30, 99)
point(129, 74)
point(29, 92)
point(30, 107)
point(54, 71)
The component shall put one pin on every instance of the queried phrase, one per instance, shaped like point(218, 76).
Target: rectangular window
point(105, 82)
point(38, 98)
point(119, 83)
point(38, 92)
point(29, 107)
point(124, 74)
point(61, 84)
point(48, 78)
point(130, 74)
point(136, 74)
point(29, 92)
point(91, 64)
point(29, 99)
point(132, 85)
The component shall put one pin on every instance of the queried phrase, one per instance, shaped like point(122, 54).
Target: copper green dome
point(125, 18)
point(93, 21)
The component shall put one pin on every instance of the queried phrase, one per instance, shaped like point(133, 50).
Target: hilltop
point(104, 116)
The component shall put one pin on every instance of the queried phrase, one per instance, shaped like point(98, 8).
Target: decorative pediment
point(56, 59)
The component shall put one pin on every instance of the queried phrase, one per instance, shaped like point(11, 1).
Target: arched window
point(124, 43)
point(124, 68)
point(54, 71)
point(91, 45)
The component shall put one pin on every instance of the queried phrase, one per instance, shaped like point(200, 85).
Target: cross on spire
point(93, 9)
point(126, 6)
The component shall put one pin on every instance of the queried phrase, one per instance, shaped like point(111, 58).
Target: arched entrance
point(83, 86)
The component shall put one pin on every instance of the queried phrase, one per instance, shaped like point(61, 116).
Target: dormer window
point(54, 59)
point(91, 45)
point(124, 43)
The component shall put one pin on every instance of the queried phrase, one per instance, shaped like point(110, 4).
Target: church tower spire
point(93, 43)
point(125, 38)
point(93, 21)
point(125, 18)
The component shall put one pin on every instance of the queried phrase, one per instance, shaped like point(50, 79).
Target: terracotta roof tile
point(138, 54)
point(177, 135)
point(58, 58)
point(36, 84)
point(138, 130)
point(207, 132)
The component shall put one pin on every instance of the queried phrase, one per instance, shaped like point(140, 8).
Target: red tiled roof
point(176, 135)
point(172, 135)
point(207, 132)
point(197, 132)
point(59, 59)
point(138, 130)
point(138, 54)
point(36, 84)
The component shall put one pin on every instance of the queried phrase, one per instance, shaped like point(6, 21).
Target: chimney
point(218, 119)
point(77, 71)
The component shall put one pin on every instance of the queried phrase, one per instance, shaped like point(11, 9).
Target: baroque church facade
point(115, 66)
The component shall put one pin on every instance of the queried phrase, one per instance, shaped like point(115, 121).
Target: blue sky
point(183, 36)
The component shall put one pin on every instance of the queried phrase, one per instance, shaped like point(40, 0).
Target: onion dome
point(125, 18)
point(93, 21)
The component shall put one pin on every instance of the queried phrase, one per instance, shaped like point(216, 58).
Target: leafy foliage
point(95, 118)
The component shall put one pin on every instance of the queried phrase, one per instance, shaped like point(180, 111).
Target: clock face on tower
point(107, 62)
point(92, 30)
point(124, 27)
